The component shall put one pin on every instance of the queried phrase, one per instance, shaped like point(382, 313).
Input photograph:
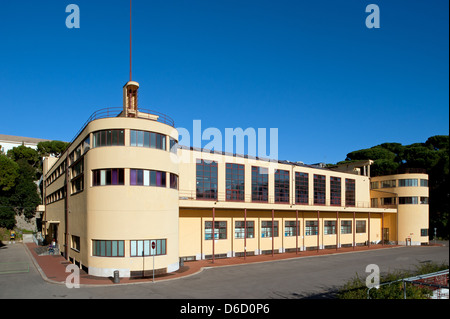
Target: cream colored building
point(125, 192)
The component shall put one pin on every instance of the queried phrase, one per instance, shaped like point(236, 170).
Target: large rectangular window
point(240, 229)
point(220, 230)
point(147, 139)
point(346, 226)
point(388, 184)
point(235, 174)
point(260, 181)
point(266, 229)
point(142, 248)
point(281, 186)
point(408, 200)
point(387, 200)
point(335, 191)
point(319, 189)
point(110, 176)
point(360, 226)
point(301, 188)
point(291, 228)
point(350, 192)
point(424, 182)
point(108, 138)
point(329, 227)
point(311, 227)
point(141, 177)
point(206, 179)
point(108, 248)
point(408, 182)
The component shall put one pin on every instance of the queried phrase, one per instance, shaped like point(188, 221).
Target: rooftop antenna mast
point(130, 90)
point(130, 41)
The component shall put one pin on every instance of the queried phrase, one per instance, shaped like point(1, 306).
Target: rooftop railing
point(264, 199)
point(116, 111)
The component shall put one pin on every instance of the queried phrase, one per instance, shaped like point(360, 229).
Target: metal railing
point(115, 112)
point(264, 199)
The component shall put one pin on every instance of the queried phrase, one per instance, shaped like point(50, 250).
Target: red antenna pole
point(130, 42)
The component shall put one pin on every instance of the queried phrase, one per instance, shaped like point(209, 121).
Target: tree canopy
point(432, 157)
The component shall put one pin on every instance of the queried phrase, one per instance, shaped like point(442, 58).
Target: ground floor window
point(108, 248)
point(360, 226)
point(329, 227)
point(220, 230)
point(76, 243)
point(311, 227)
point(346, 226)
point(239, 229)
point(140, 248)
point(290, 228)
point(266, 229)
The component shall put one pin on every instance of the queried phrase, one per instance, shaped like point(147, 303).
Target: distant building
point(8, 142)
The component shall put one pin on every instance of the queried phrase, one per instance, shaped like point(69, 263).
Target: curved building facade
point(408, 193)
point(112, 198)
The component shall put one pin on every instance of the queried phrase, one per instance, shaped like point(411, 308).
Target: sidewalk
point(53, 267)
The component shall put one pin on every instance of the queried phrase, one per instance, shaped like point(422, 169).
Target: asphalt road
point(293, 278)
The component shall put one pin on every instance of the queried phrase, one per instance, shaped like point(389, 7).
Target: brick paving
point(53, 267)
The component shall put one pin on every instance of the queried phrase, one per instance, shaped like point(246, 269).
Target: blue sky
point(312, 69)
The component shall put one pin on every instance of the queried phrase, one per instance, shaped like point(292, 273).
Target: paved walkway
point(53, 267)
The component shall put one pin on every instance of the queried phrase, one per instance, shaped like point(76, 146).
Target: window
point(142, 248)
point(350, 192)
point(148, 139)
point(360, 226)
point(239, 229)
point(329, 227)
point(388, 201)
point(142, 177)
point(173, 144)
point(78, 184)
point(111, 176)
point(173, 181)
point(281, 186)
point(335, 191)
point(108, 248)
point(301, 188)
point(374, 202)
point(220, 230)
point(311, 227)
point(266, 229)
point(374, 185)
point(235, 175)
point(319, 189)
point(424, 232)
point(75, 243)
point(423, 200)
point(407, 182)
point(108, 138)
point(86, 144)
point(424, 182)
point(346, 226)
point(206, 179)
point(291, 228)
point(78, 169)
point(388, 184)
point(260, 181)
point(408, 200)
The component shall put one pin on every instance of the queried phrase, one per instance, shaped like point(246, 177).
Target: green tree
point(431, 156)
point(9, 171)
point(54, 148)
point(26, 197)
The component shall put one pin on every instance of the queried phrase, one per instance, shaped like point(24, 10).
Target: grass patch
point(356, 287)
